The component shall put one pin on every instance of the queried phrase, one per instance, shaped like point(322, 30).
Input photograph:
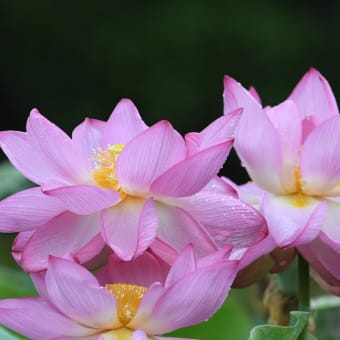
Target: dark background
point(73, 59)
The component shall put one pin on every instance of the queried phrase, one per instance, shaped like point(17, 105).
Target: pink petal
point(293, 220)
point(84, 199)
point(87, 137)
point(178, 229)
point(27, 210)
point(216, 133)
point(180, 305)
point(314, 96)
point(124, 124)
point(184, 264)
point(331, 227)
point(143, 271)
point(55, 151)
point(163, 250)
point(320, 158)
point(286, 120)
point(35, 319)
point(256, 140)
point(19, 244)
point(130, 227)
point(189, 176)
point(66, 233)
point(222, 185)
point(76, 292)
point(227, 219)
point(255, 94)
point(149, 155)
point(236, 96)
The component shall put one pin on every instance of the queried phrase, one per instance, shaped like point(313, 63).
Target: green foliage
point(299, 321)
point(9, 335)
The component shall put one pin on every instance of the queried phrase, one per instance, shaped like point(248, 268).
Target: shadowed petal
point(66, 233)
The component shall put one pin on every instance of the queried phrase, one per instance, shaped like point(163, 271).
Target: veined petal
point(55, 151)
point(293, 220)
point(143, 271)
point(124, 124)
point(180, 305)
point(66, 233)
point(256, 141)
point(149, 155)
point(76, 292)
point(190, 175)
point(286, 120)
point(84, 199)
point(27, 210)
point(331, 227)
point(235, 96)
point(320, 158)
point(217, 132)
point(314, 96)
point(36, 319)
point(184, 264)
point(88, 136)
point(227, 219)
point(255, 94)
point(130, 227)
point(178, 229)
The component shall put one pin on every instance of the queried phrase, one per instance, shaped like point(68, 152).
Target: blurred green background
point(73, 59)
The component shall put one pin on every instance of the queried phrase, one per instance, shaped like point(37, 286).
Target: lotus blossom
point(123, 184)
point(292, 154)
point(142, 299)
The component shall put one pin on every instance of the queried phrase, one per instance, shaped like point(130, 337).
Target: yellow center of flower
point(128, 298)
point(105, 171)
point(299, 199)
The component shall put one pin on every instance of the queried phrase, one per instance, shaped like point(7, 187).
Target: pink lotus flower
point(124, 184)
point(142, 300)
point(292, 153)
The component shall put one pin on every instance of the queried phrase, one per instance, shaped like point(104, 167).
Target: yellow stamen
point(128, 298)
point(105, 172)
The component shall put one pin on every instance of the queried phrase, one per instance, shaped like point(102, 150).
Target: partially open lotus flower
point(140, 299)
point(292, 154)
point(123, 184)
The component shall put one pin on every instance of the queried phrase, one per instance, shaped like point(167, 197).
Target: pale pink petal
point(309, 123)
point(255, 94)
point(129, 227)
point(235, 96)
point(184, 264)
point(139, 335)
point(180, 305)
point(222, 185)
point(178, 229)
point(293, 220)
point(221, 255)
point(84, 199)
point(227, 219)
point(87, 137)
point(19, 244)
point(147, 156)
point(331, 286)
point(124, 124)
point(331, 227)
point(189, 176)
point(36, 319)
point(320, 158)
point(217, 132)
point(250, 193)
point(76, 292)
point(143, 271)
point(286, 121)
point(55, 148)
point(164, 250)
point(27, 210)
point(66, 233)
point(256, 140)
point(85, 254)
point(314, 96)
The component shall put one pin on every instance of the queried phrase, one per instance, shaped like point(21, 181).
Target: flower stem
point(303, 290)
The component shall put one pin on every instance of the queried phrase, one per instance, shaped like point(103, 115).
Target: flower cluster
point(147, 207)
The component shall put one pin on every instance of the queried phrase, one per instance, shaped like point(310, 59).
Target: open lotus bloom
point(292, 154)
point(123, 184)
point(139, 299)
